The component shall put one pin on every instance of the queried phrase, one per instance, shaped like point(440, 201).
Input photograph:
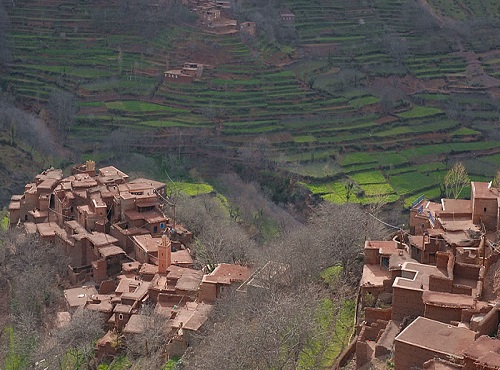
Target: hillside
point(384, 93)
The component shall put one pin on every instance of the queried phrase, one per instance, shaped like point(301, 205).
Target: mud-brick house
point(483, 354)
point(248, 28)
point(146, 248)
point(187, 74)
point(33, 205)
point(425, 339)
point(287, 16)
point(222, 277)
point(485, 205)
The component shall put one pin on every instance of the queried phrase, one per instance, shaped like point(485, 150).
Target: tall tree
point(456, 180)
point(63, 107)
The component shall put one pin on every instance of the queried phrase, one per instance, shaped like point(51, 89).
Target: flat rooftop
point(110, 251)
point(457, 205)
point(374, 276)
point(192, 317)
point(416, 276)
point(149, 216)
point(448, 300)
point(110, 171)
point(458, 224)
point(226, 273)
point(136, 324)
point(482, 190)
point(48, 229)
point(437, 336)
point(190, 280)
point(99, 239)
point(384, 247)
point(78, 297)
point(459, 239)
point(147, 242)
point(486, 352)
point(181, 257)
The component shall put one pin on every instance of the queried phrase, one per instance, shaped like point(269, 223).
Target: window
point(155, 229)
point(162, 225)
point(484, 209)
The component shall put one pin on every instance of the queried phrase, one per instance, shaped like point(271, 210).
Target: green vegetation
point(118, 363)
point(14, 360)
point(344, 104)
point(361, 102)
point(4, 222)
point(138, 106)
point(171, 364)
point(372, 177)
point(190, 189)
point(419, 112)
point(339, 325)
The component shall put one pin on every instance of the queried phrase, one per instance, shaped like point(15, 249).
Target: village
point(428, 297)
point(124, 252)
point(215, 17)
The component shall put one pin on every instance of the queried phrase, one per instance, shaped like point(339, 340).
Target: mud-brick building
point(123, 252)
point(425, 339)
point(426, 294)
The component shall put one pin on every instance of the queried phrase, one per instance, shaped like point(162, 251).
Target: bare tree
point(63, 107)
point(151, 341)
point(395, 46)
point(269, 329)
point(496, 181)
point(5, 40)
point(31, 271)
point(25, 127)
point(335, 235)
point(257, 153)
point(217, 238)
point(250, 205)
point(73, 345)
point(456, 180)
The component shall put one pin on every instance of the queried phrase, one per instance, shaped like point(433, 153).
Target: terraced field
point(361, 95)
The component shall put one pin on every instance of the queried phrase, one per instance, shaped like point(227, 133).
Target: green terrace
point(328, 137)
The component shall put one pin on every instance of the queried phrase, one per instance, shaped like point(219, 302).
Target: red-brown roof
point(447, 300)
point(383, 246)
point(226, 273)
point(457, 205)
point(437, 336)
point(190, 280)
point(483, 191)
point(150, 216)
point(181, 257)
point(48, 229)
point(147, 242)
point(485, 351)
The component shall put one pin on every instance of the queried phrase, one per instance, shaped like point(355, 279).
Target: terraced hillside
point(383, 94)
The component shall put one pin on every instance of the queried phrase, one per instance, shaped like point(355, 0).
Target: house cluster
point(187, 74)
point(123, 252)
point(429, 296)
point(216, 17)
